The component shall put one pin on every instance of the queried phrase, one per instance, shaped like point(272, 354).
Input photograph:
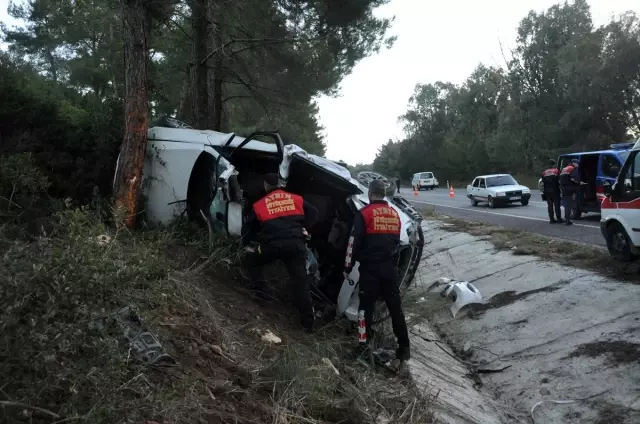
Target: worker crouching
point(374, 242)
point(278, 222)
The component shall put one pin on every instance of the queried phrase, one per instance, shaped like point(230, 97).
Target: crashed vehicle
point(216, 177)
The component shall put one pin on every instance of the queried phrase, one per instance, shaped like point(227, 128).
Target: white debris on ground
point(267, 336)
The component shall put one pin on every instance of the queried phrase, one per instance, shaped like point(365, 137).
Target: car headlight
point(526, 191)
point(500, 194)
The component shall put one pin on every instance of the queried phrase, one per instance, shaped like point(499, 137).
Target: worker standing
point(278, 221)
point(570, 186)
point(551, 191)
point(398, 184)
point(374, 241)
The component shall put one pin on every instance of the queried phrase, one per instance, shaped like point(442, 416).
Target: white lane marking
point(498, 213)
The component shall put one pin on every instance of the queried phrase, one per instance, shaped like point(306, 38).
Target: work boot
point(403, 353)
point(567, 222)
point(553, 221)
point(560, 221)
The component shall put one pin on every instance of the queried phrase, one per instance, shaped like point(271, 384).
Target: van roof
point(616, 149)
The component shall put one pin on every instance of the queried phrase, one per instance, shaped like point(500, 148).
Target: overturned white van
point(212, 176)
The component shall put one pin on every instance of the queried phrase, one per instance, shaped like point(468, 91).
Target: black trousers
point(382, 281)
point(293, 254)
point(553, 204)
point(569, 200)
point(398, 187)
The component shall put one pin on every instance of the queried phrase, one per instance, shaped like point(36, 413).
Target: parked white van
point(424, 180)
point(620, 210)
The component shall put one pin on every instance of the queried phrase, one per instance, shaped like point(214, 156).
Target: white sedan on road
point(497, 190)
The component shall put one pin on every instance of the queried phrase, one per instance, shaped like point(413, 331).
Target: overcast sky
point(437, 40)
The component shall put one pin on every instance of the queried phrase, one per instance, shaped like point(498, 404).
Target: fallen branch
point(26, 406)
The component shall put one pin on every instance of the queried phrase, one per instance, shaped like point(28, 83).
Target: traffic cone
point(451, 192)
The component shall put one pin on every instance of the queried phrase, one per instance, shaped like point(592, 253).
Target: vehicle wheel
point(618, 243)
point(491, 202)
point(474, 202)
point(525, 202)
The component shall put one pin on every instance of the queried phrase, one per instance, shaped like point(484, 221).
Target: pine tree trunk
point(136, 30)
point(201, 88)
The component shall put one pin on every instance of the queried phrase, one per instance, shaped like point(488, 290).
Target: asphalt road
point(533, 217)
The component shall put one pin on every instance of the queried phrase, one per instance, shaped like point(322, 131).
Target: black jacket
point(375, 236)
point(279, 216)
point(550, 180)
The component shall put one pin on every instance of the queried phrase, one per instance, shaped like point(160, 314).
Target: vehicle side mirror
point(608, 188)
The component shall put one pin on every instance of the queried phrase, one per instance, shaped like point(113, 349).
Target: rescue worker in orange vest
point(278, 222)
point(551, 191)
point(570, 186)
point(374, 241)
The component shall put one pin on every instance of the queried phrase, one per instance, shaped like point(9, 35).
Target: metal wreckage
point(207, 174)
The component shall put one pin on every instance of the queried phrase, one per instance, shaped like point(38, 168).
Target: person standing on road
point(398, 184)
point(570, 186)
point(374, 241)
point(551, 191)
point(278, 221)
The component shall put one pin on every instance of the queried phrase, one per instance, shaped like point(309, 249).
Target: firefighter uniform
point(569, 185)
point(374, 241)
point(551, 192)
point(277, 222)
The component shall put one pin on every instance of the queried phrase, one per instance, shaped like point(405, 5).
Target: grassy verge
point(57, 365)
point(525, 243)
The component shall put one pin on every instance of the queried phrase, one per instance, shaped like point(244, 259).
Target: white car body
point(497, 189)
point(620, 210)
point(179, 160)
point(425, 180)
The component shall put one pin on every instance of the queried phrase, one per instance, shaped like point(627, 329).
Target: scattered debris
point(268, 336)
point(103, 239)
point(462, 293)
point(327, 362)
point(143, 345)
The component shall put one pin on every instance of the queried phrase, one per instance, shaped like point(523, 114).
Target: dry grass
point(56, 367)
point(565, 252)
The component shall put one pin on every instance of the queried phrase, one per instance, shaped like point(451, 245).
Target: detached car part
point(462, 293)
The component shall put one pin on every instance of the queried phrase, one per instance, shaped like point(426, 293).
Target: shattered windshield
point(501, 180)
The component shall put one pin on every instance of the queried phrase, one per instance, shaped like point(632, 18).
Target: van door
point(246, 154)
point(626, 197)
point(608, 170)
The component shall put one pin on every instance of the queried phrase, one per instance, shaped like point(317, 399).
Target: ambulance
point(620, 210)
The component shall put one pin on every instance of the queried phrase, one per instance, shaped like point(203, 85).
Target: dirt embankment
point(64, 358)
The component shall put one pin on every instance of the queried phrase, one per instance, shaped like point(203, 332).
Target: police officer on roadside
point(551, 191)
point(570, 186)
point(278, 222)
point(374, 241)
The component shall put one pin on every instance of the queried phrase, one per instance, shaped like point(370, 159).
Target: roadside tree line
point(80, 76)
point(566, 86)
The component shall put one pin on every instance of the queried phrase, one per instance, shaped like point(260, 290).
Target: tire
point(619, 243)
point(491, 202)
point(525, 202)
point(473, 200)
